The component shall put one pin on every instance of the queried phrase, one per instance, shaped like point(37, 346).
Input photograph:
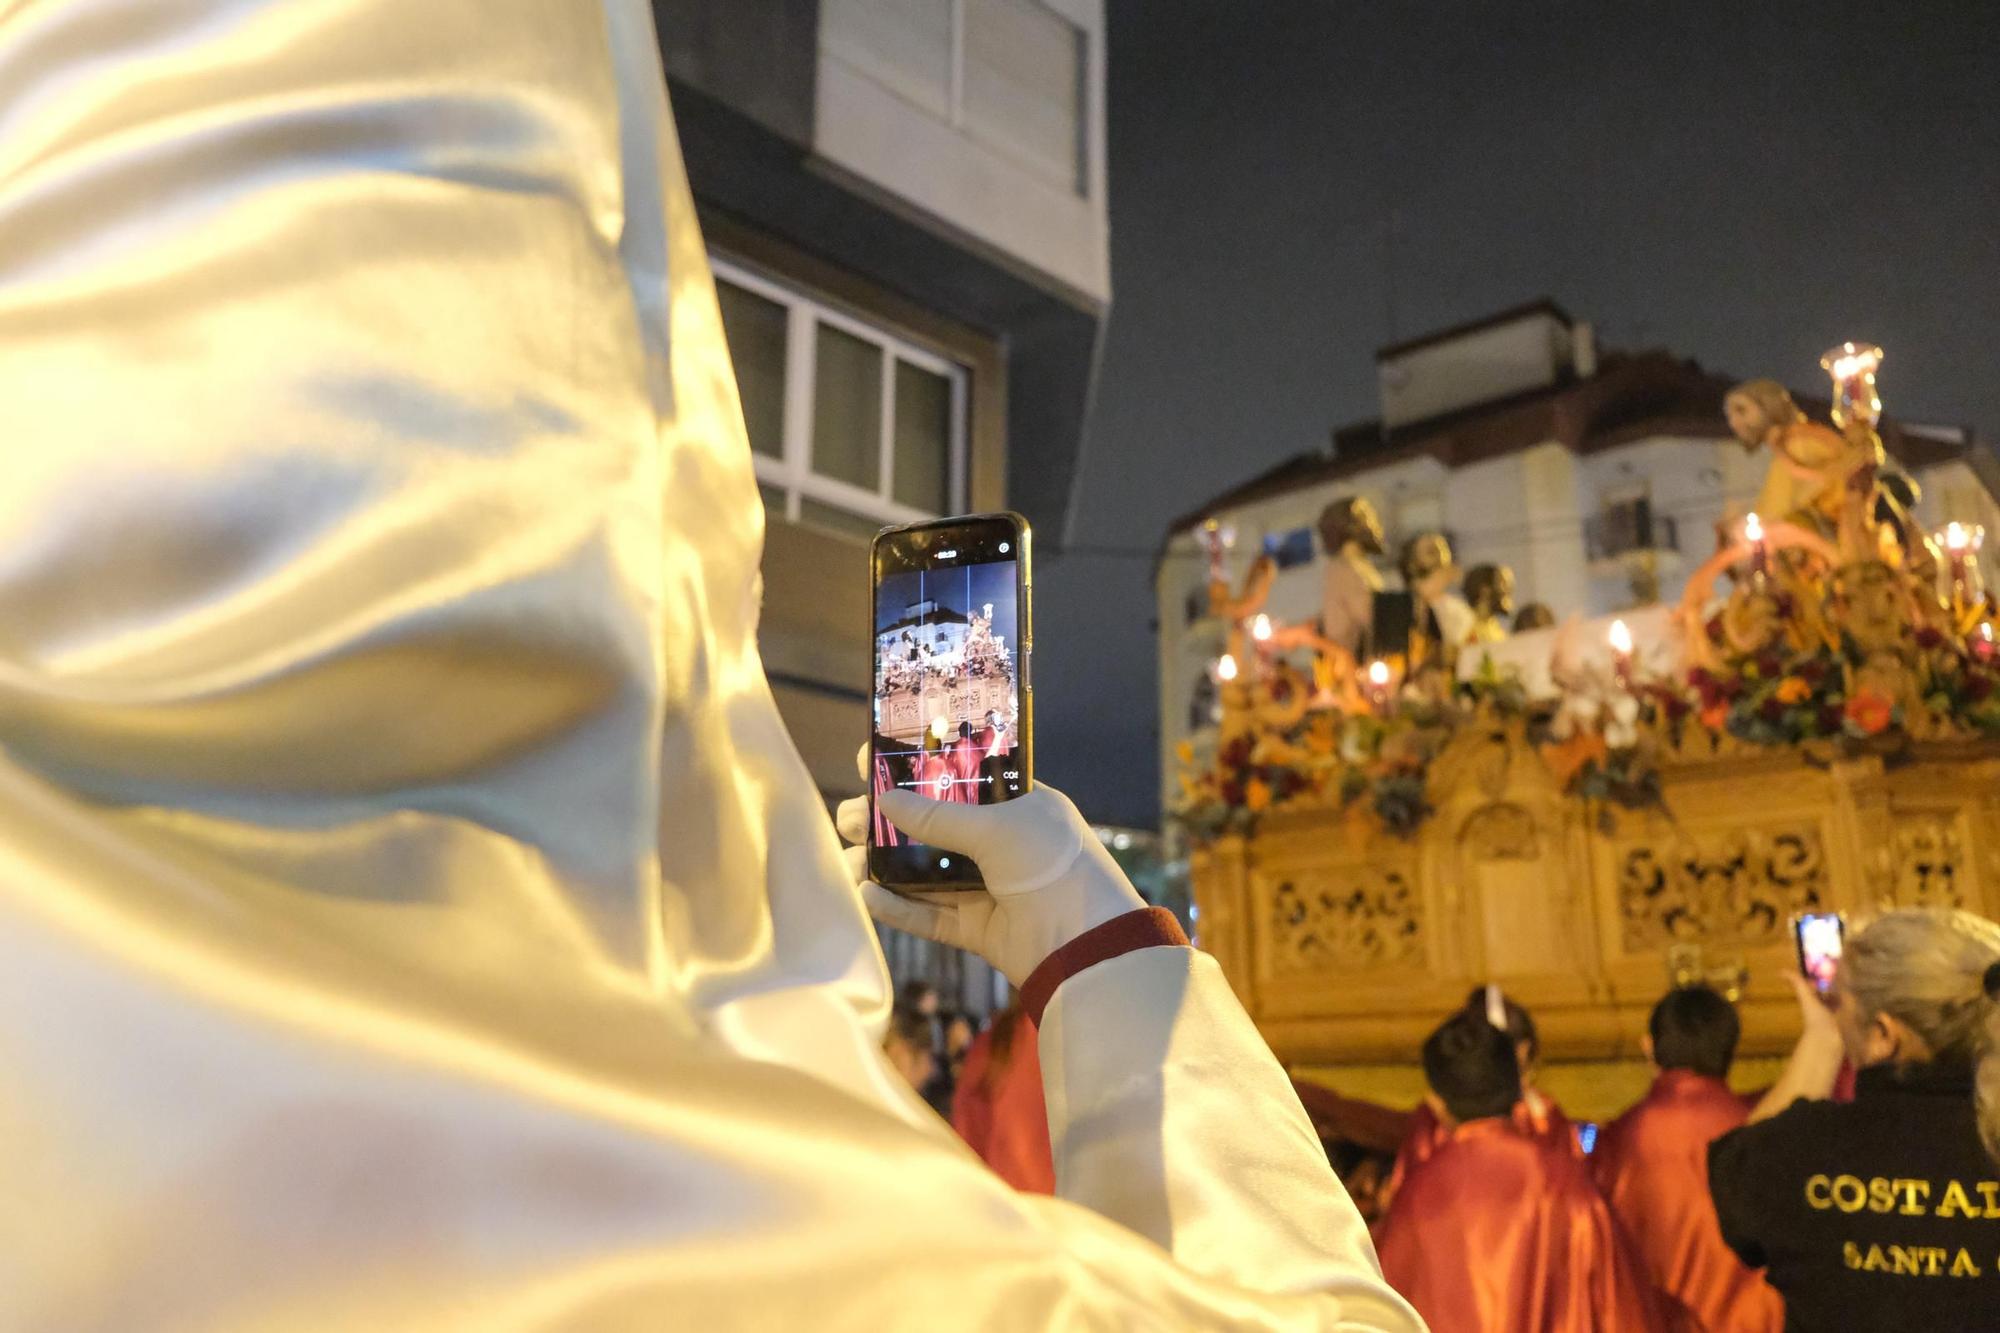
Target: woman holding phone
point(1881, 1212)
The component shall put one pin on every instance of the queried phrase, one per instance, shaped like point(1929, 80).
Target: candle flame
point(1378, 674)
point(1260, 628)
point(1621, 638)
point(1956, 538)
point(1753, 528)
point(1225, 668)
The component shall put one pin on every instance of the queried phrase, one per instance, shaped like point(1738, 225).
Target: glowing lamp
point(1378, 675)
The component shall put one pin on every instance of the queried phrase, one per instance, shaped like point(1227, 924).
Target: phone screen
point(1819, 936)
point(1586, 1137)
point(950, 681)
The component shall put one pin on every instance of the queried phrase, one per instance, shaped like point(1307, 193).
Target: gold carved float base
point(1347, 948)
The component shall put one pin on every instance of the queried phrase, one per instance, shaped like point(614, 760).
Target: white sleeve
point(1168, 1114)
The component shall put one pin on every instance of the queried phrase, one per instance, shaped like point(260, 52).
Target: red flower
point(1829, 719)
point(1978, 687)
point(1772, 709)
point(1769, 664)
point(1929, 637)
point(1232, 793)
point(1869, 712)
point(1812, 671)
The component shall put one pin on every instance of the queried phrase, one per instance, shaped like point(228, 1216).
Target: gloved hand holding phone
point(1048, 878)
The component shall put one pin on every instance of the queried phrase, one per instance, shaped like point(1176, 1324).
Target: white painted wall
point(902, 136)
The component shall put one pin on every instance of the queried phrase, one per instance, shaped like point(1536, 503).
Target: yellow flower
point(1792, 690)
point(1185, 752)
point(1256, 795)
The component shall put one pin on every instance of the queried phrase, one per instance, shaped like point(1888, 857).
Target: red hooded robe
point(1652, 1164)
point(1498, 1232)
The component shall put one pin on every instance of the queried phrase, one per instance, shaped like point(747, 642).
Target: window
point(851, 425)
point(1011, 73)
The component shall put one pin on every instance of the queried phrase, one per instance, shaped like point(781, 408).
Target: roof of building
point(1633, 396)
point(1543, 306)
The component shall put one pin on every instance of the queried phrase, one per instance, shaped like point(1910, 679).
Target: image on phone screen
point(947, 688)
point(1819, 941)
point(1586, 1137)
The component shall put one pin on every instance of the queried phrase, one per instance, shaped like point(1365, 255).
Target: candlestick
point(1753, 532)
point(1621, 652)
point(1378, 685)
point(1853, 367)
point(1216, 539)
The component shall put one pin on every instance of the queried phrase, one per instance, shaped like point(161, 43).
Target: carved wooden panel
point(1344, 918)
point(1926, 863)
point(1736, 885)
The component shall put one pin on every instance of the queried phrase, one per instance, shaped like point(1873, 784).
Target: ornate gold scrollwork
point(1741, 886)
point(1924, 860)
point(1348, 918)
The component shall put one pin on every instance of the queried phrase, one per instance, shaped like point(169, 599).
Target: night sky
point(1295, 184)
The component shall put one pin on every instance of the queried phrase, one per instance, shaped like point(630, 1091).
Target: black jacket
point(1880, 1213)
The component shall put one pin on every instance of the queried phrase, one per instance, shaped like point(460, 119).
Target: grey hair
point(1927, 967)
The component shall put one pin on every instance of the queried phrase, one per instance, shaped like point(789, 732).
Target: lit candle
point(1853, 367)
point(1225, 667)
point(1378, 684)
point(1260, 628)
point(1753, 532)
point(1955, 542)
point(1217, 539)
point(1621, 651)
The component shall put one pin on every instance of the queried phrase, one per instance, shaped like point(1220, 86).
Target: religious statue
point(1821, 479)
point(1443, 622)
point(1489, 589)
point(1534, 616)
point(1351, 533)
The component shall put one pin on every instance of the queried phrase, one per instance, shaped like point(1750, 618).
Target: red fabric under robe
point(1004, 1118)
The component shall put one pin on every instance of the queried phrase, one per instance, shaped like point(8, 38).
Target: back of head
point(1470, 1065)
point(909, 1028)
point(1938, 972)
point(1520, 1025)
point(1694, 1028)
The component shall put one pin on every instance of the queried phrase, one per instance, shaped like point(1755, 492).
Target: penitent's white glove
point(1048, 878)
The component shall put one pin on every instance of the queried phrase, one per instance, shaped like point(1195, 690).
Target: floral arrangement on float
point(1841, 628)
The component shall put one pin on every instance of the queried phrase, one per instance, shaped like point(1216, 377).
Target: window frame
point(791, 473)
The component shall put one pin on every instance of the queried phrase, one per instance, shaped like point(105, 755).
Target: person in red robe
point(882, 832)
point(1497, 1231)
point(999, 1109)
point(1536, 1114)
point(934, 770)
point(1652, 1164)
point(964, 759)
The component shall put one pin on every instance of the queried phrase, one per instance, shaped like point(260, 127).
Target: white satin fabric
point(412, 911)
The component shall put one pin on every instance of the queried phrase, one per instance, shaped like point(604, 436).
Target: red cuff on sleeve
point(1146, 928)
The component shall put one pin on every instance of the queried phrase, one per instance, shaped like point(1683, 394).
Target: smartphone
point(1819, 936)
point(1586, 1137)
point(953, 699)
